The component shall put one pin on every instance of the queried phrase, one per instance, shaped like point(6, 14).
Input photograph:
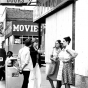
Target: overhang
point(60, 6)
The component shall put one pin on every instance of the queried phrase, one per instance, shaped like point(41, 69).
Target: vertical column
point(73, 26)
point(73, 37)
point(8, 43)
point(39, 33)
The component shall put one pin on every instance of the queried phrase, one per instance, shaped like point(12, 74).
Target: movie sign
point(24, 28)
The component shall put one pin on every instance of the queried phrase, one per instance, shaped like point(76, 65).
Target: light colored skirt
point(35, 78)
point(59, 75)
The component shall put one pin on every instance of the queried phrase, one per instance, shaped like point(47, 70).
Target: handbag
point(52, 65)
point(51, 68)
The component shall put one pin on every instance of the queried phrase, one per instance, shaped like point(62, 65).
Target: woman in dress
point(53, 77)
point(66, 56)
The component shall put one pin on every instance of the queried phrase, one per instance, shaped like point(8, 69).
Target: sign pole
point(22, 40)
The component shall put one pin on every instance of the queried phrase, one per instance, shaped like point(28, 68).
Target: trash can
point(2, 63)
point(13, 78)
point(2, 56)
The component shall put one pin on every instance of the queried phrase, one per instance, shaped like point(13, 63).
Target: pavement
point(2, 84)
point(45, 83)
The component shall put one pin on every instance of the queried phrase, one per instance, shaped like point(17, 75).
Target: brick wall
point(17, 14)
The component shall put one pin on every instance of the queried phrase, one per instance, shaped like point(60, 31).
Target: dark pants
point(59, 84)
point(26, 79)
point(2, 73)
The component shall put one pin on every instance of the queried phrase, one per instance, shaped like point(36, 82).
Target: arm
point(19, 59)
point(72, 53)
point(27, 60)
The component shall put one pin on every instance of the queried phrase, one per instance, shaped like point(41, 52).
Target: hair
point(9, 53)
point(36, 40)
point(59, 41)
point(67, 39)
point(28, 42)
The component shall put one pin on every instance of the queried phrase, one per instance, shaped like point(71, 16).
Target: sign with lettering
point(17, 2)
point(1, 27)
point(8, 30)
point(24, 28)
point(1, 58)
point(14, 1)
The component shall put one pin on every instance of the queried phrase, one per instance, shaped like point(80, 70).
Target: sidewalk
point(45, 83)
point(2, 84)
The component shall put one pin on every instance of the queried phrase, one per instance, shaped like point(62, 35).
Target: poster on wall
point(17, 41)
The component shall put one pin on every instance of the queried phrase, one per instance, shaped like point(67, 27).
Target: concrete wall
point(58, 25)
point(81, 44)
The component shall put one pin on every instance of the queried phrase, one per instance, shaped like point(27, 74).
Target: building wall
point(81, 44)
point(58, 25)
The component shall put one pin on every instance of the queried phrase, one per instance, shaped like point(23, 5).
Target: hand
point(20, 70)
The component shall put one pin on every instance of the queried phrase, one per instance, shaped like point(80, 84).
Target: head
point(66, 41)
point(36, 43)
point(28, 42)
point(9, 53)
point(58, 44)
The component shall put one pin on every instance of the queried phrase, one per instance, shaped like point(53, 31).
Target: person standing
point(35, 55)
point(25, 62)
point(53, 76)
point(67, 56)
point(9, 57)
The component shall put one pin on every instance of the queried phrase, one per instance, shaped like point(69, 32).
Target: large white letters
point(35, 28)
point(21, 28)
point(27, 27)
point(15, 28)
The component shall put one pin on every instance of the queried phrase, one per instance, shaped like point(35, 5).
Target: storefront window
point(21, 39)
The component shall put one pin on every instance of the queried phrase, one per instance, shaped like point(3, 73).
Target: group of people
point(62, 58)
point(28, 60)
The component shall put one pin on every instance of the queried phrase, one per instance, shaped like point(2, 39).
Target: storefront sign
point(24, 28)
point(1, 27)
point(8, 30)
point(21, 28)
point(18, 2)
point(1, 58)
point(17, 41)
point(13, 2)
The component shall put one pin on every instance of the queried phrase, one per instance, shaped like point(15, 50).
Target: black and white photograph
point(43, 44)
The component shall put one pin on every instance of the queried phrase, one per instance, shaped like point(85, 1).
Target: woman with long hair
point(53, 77)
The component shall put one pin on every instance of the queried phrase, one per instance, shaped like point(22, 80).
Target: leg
point(67, 86)
point(51, 82)
point(38, 76)
point(26, 79)
point(59, 84)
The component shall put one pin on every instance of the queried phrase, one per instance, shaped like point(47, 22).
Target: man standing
point(25, 62)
